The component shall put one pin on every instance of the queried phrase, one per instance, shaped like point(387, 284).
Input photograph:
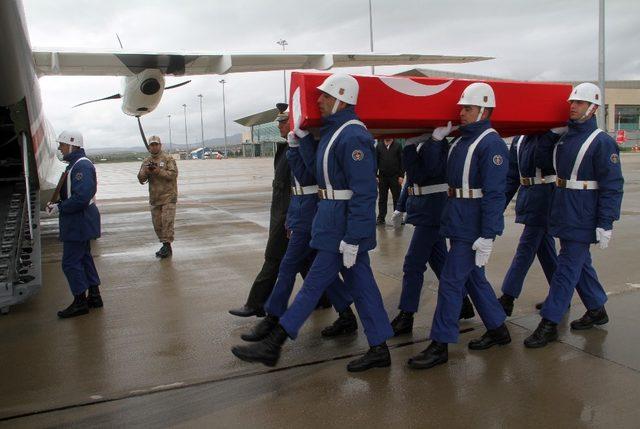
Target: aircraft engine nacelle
point(142, 92)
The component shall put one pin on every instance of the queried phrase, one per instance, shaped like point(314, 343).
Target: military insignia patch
point(78, 176)
point(357, 155)
point(497, 160)
point(615, 158)
point(161, 164)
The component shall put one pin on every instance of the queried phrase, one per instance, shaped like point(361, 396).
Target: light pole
point(601, 79)
point(371, 33)
point(201, 121)
point(170, 146)
point(186, 138)
point(284, 43)
point(224, 116)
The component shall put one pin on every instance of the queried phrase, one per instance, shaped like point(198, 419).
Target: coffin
point(405, 106)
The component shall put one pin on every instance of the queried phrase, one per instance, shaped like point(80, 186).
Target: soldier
point(79, 221)
point(343, 229)
point(161, 171)
point(584, 205)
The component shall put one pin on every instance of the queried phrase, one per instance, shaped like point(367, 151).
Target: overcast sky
point(532, 40)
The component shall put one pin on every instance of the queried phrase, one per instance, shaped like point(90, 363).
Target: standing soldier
point(161, 171)
point(472, 218)
point(584, 205)
point(79, 221)
point(343, 230)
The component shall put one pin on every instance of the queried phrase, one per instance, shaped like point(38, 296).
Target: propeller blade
point(177, 85)
point(111, 97)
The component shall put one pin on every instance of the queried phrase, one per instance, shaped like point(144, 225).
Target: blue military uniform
point(79, 222)
point(476, 175)
point(300, 214)
point(533, 178)
point(345, 170)
point(588, 195)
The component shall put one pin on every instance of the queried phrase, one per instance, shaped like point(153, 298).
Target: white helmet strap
point(480, 113)
point(588, 112)
point(336, 104)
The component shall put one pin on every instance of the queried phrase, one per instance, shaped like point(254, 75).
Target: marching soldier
point(161, 171)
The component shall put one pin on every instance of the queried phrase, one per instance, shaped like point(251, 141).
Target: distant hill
point(213, 143)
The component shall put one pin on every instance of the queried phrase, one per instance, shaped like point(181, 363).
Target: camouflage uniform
point(163, 193)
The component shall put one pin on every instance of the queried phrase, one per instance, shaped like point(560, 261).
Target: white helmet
point(71, 137)
point(586, 92)
point(342, 87)
point(478, 94)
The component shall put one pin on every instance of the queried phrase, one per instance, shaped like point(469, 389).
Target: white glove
point(349, 254)
point(441, 132)
point(396, 218)
point(483, 247)
point(292, 139)
point(603, 237)
point(415, 140)
point(559, 130)
point(52, 208)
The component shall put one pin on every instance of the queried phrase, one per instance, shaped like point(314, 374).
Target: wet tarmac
point(157, 354)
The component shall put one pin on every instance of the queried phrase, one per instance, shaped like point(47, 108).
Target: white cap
point(342, 87)
point(586, 92)
point(71, 137)
point(478, 94)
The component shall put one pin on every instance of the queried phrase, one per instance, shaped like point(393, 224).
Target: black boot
point(546, 332)
point(94, 300)
point(346, 323)
point(402, 324)
point(467, 309)
point(499, 336)
point(267, 351)
point(593, 317)
point(539, 305)
point(247, 311)
point(376, 357)
point(78, 307)
point(261, 330)
point(506, 301)
point(436, 354)
point(165, 251)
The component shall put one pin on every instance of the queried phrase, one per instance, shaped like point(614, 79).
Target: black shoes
point(436, 354)
point(506, 301)
point(346, 323)
point(546, 332)
point(78, 307)
point(247, 311)
point(499, 336)
point(467, 309)
point(266, 352)
point(539, 305)
point(261, 330)
point(165, 251)
point(597, 316)
point(94, 300)
point(376, 357)
point(402, 324)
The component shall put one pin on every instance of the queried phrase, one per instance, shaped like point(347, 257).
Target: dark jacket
point(389, 160)
point(277, 243)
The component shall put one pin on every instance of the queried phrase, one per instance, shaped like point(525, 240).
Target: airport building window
point(266, 133)
point(627, 117)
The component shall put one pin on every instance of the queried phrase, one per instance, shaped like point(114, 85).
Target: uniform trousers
point(534, 241)
point(460, 269)
point(574, 271)
point(296, 257)
point(163, 216)
point(78, 266)
point(360, 284)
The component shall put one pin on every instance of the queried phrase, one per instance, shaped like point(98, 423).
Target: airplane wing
point(121, 63)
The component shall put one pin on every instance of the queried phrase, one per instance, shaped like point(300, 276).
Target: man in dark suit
point(390, 175)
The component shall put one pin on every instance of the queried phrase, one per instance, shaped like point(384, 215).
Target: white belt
point(530, 181)
point(335, 194)
point(586, 185)
point(429, 189)
point(304, 190)
point(464, 193)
